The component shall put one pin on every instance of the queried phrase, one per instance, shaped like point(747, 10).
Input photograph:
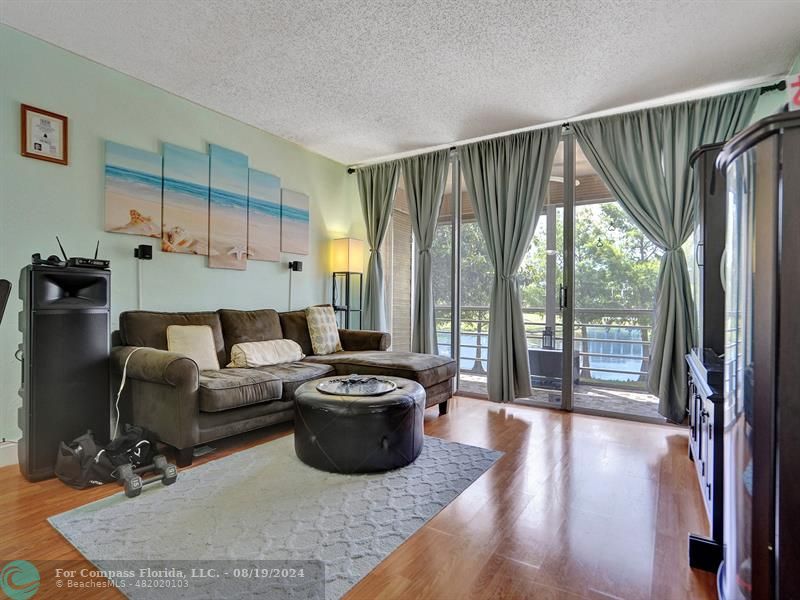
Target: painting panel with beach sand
point(133, 191)
point(294, 222)
point(264, 217)
point(227, 213)
point(185, 215)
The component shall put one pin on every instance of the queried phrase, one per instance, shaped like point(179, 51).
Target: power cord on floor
point(122, 387)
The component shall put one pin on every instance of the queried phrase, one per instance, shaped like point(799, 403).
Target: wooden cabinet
point(706, 450)
point(705, 404)
point(709, 245)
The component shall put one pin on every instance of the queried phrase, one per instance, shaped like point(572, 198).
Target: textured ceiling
point(356, 80)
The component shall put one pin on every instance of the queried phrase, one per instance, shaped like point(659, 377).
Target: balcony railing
point(611, 345)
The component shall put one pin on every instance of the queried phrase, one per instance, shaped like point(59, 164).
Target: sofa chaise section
point(434, 373)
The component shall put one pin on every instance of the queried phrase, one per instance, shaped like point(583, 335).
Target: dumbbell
point(168, 471)
point(133, 482)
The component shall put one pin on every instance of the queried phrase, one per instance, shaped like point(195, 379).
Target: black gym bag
point(136, 446)
point(83, 463)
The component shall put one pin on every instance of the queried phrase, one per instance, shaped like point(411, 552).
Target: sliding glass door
point(544, 289)
point(616, 273)
point(442, 272)
point(587, 287)
point(461, 280)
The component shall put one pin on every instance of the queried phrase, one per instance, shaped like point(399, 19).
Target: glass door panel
point(616, 273)
point(476, 278)
point(543, 291)
point(442, 271)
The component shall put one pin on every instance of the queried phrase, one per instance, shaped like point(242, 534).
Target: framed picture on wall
point(44, 135)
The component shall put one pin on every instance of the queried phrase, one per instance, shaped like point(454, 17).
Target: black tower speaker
point(65, 323)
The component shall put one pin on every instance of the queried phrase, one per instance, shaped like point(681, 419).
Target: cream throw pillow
point(196, 342)
point(323, 330)
point(263, 354)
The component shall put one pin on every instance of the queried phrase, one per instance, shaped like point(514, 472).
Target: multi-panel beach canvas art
point(207, 204)
point(133, 191)
point(185, 212)
point(294, 222)
point(264, 217)
point(227, 215)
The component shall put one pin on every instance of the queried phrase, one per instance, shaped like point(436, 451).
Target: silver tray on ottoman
point(357, 385)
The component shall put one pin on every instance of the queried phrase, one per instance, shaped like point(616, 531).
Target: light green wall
point(768, 104)
point(39, 200)
point(772, 102)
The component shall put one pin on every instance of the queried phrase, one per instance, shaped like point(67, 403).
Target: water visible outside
point(607, 340)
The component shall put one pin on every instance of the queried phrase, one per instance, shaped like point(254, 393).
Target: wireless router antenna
point(96, 248)
point(62, 249)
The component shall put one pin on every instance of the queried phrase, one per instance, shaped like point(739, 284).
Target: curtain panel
point(507, 179)
point(424, 178)
point(643, 157)
point(376, 186)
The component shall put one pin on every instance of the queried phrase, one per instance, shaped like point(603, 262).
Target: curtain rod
point(780, 86)
point(351, 170)
point(775, 87)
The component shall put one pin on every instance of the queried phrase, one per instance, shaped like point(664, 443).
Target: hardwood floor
point(578, 507)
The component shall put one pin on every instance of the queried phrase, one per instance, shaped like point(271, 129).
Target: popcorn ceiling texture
point(357, 80)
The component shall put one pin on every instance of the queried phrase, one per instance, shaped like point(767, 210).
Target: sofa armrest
point(162, 393)
point(156, 366)
point(353, 339)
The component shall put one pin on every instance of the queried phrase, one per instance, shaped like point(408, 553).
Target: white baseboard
point(8, 454)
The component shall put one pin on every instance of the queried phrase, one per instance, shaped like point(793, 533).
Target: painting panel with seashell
point(132, 191)
point(185, 199)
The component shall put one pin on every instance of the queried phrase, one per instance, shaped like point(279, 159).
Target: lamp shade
point(347, 256)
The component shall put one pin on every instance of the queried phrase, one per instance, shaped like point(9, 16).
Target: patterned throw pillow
point(323, 330)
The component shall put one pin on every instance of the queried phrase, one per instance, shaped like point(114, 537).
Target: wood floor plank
point(577, 507)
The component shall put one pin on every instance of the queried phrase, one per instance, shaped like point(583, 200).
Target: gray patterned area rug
point(264, 509)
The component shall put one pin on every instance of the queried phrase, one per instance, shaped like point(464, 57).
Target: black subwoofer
point(65, 325)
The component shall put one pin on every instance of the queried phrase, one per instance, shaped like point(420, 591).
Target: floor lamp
point(347, 266)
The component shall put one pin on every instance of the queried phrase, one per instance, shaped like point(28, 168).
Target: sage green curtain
point(643, 157)
point(424, 178)
point(507, 179)
point(376, 186)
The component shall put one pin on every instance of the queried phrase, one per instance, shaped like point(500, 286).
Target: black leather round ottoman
point(359, 434)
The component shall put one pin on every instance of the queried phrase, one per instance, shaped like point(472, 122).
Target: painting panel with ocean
point(185, 213)
point(264, 217)
point(133, 190)
point(227, 225)
point(294, 222)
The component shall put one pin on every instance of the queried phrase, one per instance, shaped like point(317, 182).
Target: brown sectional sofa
point(166, 392)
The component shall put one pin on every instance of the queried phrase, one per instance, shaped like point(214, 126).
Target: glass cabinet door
point(738, 379)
